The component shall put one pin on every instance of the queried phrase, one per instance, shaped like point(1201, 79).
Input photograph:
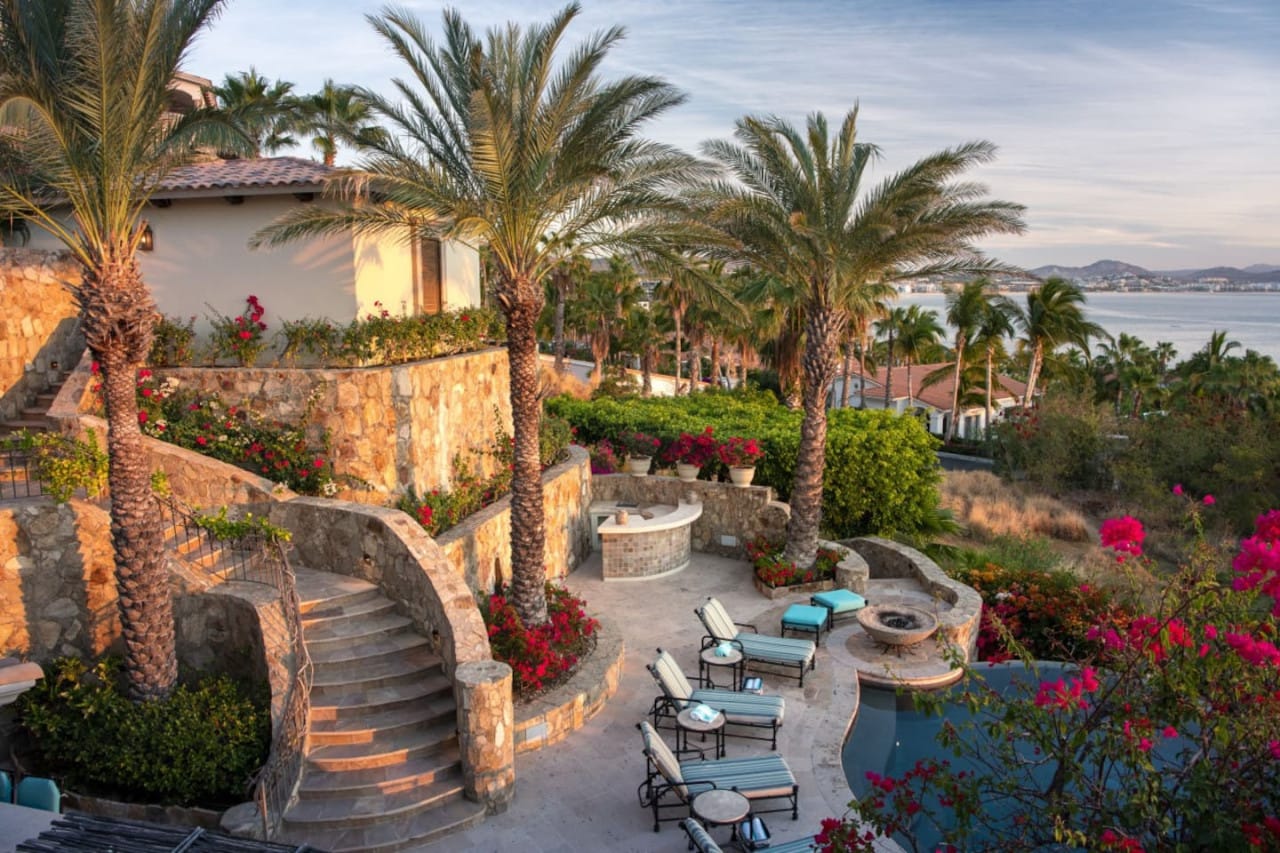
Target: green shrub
point(386, 339)
point(1063, 443)
point(554, 436)
point(202, 744)
point(64, 464)
point(173, 342)
point(881, 471)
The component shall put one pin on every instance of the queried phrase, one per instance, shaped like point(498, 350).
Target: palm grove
point(514, 141)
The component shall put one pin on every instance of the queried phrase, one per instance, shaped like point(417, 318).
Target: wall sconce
point(147, 242)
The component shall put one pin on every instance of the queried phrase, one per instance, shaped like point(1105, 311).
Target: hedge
point(882, 472)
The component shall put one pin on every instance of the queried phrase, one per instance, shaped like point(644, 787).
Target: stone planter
point(686, 472)
point(776, 592)
point(741, 477)
point(638, 466)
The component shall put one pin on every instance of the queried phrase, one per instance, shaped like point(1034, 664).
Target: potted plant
point(640, 449)
point(740, 455)
point(691, 453)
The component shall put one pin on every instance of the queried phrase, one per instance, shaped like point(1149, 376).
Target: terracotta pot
point(686, 472)
point(741, 477)
point(638, 466)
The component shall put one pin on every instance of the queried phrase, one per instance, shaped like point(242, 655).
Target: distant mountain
point(1097, 269)
point(1110, 269)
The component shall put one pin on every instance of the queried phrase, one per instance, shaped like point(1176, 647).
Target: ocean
point(1184, 319)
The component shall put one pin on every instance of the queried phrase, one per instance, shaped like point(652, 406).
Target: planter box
point(775, 592)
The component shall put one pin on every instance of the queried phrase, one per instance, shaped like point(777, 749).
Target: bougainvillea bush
point(1164, 733)
point(766, 558)
point(544, 656)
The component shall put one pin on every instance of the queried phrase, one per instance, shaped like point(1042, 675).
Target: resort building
point(931, 403)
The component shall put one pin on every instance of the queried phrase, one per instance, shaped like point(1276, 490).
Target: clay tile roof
point(246, 174)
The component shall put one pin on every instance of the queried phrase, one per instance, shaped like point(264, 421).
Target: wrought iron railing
point(257, 558)
point(17, 474)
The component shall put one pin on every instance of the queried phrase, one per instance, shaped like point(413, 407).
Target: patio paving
point(581, 794)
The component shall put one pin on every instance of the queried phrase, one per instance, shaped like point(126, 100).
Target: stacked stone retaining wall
point(39, 324)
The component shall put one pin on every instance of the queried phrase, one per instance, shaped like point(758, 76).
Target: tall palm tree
point(266, 112)
point(336, 114)
point(688, 280)
point(778, 323)
point(966, 307)
point(643, 331)
point(1053, 316)
point(796, 209)
point(890, 327)
point(88, 81)
point(995, 325)
point(602, 303)
point(918, 337)
point(503, 141)
point(571, 267)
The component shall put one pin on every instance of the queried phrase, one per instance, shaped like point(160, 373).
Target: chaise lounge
point(673, 784)
point(740, 709)
point(778, 651)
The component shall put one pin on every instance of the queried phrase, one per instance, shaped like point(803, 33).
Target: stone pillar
point(486, 732)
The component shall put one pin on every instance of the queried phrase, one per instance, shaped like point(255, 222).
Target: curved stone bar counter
point(640, 543)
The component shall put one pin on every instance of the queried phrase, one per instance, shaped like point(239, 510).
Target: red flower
point(1123, 535)
point(142, 417)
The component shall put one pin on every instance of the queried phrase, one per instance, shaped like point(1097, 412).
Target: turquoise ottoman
point(838, 602)
point(806, 617)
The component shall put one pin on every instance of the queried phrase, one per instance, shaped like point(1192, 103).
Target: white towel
point(703, 713)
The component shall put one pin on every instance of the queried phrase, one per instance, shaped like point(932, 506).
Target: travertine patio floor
point(580, 794)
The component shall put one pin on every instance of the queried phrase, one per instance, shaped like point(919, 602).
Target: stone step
point(384, 750)
point(353, 657)
point(415, 664)
point(47, 398)
point(391, 779)
point(383, 723)
point(324, 632)
point(402, 833)
point(364, 607)
point(338, 702)
point(324, 590)
point(35, 413)
point(349, 812)
point(21, 424)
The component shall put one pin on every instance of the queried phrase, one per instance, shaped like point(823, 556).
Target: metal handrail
point(17, 474)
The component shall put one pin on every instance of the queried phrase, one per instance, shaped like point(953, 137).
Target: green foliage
point(281, 452)
point(554, 437)
point(386, 339)
point(241, 337)
point(200, 745)
point(173, 342)
point(64, 464)
point(1063, 443)
point(881, 472)
point(232, 529)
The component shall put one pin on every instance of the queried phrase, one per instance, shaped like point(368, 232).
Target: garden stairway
point(34, 418)
point(382, 770)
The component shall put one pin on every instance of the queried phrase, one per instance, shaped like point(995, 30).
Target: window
point(428, 293)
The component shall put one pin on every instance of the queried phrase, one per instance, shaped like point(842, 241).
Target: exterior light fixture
point(147, 242)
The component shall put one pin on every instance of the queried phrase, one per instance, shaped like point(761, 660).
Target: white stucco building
point(932, 404)
point(201, 219)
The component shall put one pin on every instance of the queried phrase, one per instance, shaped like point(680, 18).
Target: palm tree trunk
point(528, 525)
point(862, 372)
point(557, 329)
point(715, 361)
point(990, 358)
point(118, 319)
point(646, 372)
point(678, 316)
point(911, 399)
point(1037, 358)
point(824, 327)
point(888, 373)
point(742, 365)
point(955, 391)
point(695, 364)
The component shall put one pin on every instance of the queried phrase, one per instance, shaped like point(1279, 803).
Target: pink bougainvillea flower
point(1177, 490)
point(1123, 535)
point(1209, 500)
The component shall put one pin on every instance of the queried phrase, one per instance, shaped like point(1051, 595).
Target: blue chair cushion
point(806, 616)
point(839, 600)
point(6, 788)
point(37, 793)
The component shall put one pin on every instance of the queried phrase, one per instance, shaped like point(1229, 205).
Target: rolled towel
point(703, 713)
point(724, 649)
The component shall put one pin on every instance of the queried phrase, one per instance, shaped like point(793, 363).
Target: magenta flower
point(1123, 535)
point(1177, 490)
point(1209, 500)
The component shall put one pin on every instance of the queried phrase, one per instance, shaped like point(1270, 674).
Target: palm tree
point(996, 324)
point(918, 336)
point(265, 112)
point(778, 324)
point(503, 141)
point(966, 308)
point(642, 334)
point(602, 303)
point(1053, 316)
point(336, 114)
point(796, 209)
point(890, 325)
point(571, 266)
point(689, 280)
point(89, 82)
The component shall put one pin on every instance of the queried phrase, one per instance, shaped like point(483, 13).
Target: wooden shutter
point(430, 287)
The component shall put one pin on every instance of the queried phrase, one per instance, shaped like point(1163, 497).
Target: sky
point(1146, 131)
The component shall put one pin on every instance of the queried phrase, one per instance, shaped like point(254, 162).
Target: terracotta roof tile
point(246, 174)
point(937, 395)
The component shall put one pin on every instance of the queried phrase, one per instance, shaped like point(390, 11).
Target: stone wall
point(638, 554)
point(480, 547)
point(391, 427)
point(388, 549)
point(731, 517)
point(39, 325)
point(57, 580)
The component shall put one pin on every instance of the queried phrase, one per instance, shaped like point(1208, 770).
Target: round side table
point(708, 661)
point(686, 723)
point(722, 808)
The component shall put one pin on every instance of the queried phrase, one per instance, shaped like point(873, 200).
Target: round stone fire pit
point(897, 627)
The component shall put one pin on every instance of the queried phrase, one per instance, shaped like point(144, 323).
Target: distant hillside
point(1097, 269)
point(1107, 269)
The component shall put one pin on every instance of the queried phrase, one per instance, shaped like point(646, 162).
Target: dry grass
point(990, 507)
point(551, 384)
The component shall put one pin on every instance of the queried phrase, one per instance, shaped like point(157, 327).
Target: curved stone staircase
point(382, 769)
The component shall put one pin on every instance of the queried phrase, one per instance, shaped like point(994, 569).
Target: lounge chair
point(37, 793)
point(673, 784)
point(701, 841)
point(6, 787)
point(740, 709)
point(778, 651)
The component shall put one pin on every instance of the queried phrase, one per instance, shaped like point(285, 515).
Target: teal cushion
point(840, 600)
point(804, 614)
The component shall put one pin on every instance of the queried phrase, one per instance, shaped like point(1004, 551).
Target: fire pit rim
point(870, 619)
